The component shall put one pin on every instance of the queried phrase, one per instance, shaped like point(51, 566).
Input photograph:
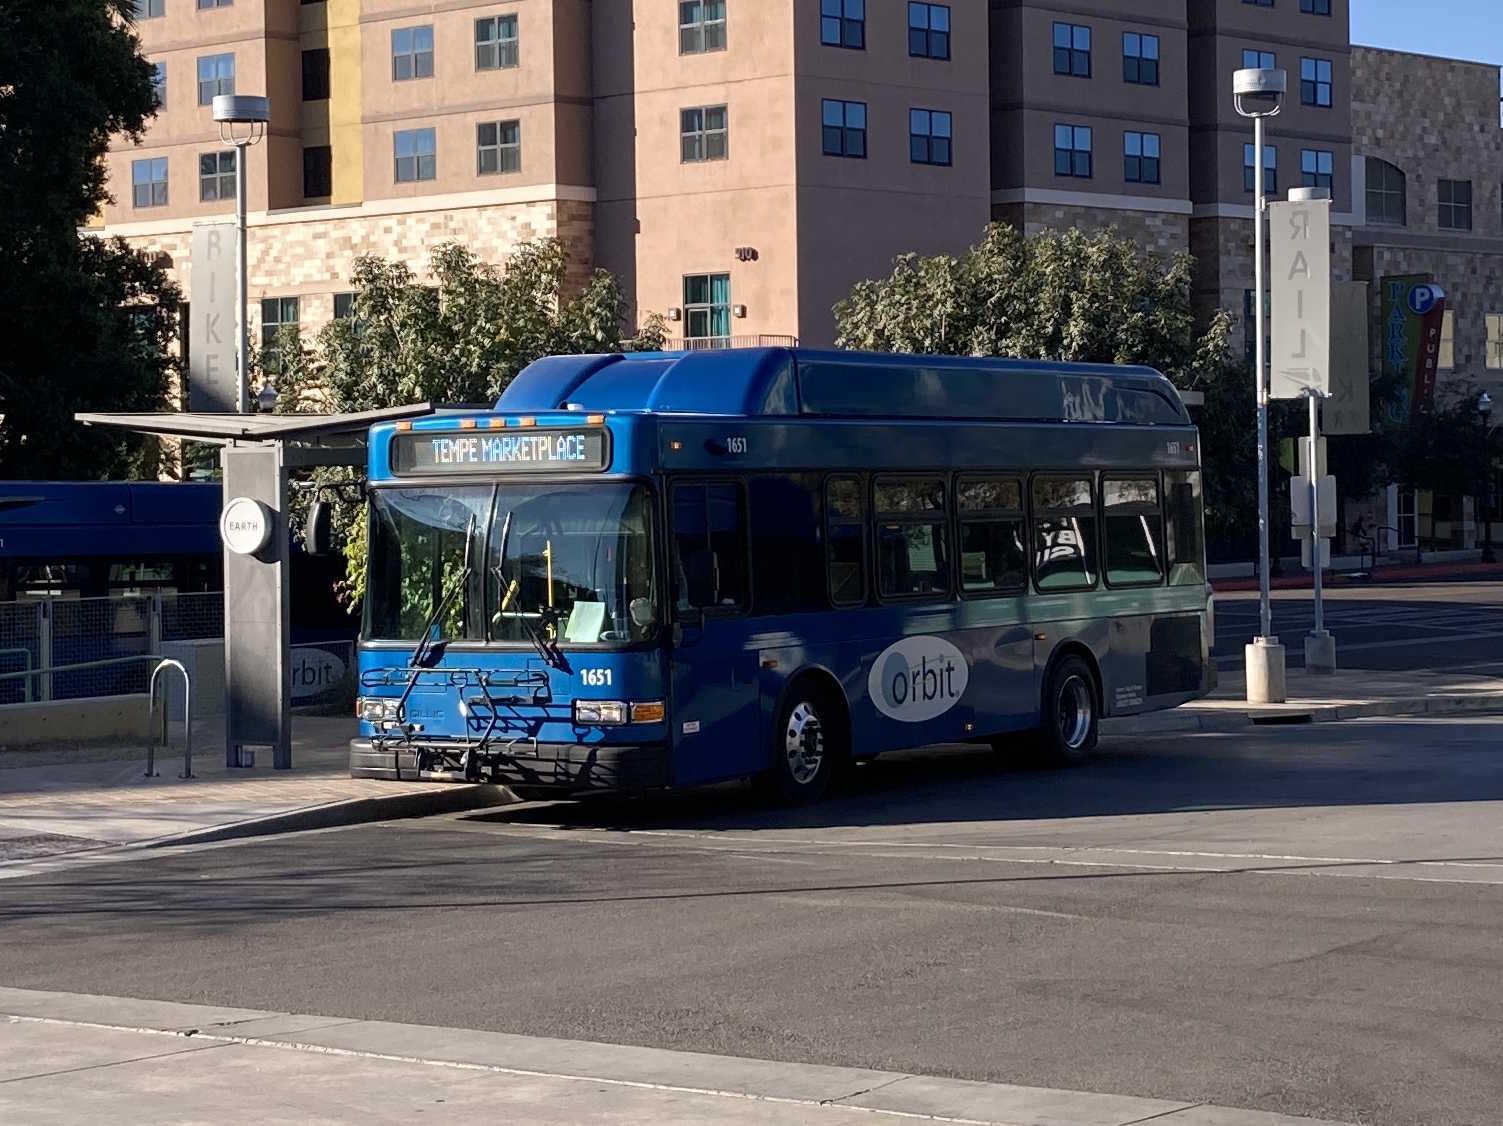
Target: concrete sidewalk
point(69, 807)
point(1345, 694)
point(67, 1058)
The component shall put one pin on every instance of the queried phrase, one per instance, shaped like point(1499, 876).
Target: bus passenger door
point(714, 675)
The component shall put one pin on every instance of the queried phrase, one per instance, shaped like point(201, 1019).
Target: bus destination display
point(483, 451)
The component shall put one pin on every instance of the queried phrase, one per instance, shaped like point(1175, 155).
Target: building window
point(1387, 204)
point(412, 53)
point(912, 553)
point(496, 43)
point(1315, 82)
point(1140, 158)
point(1315, 7)
point(703, 134)
point(1270, 170)
point(1455, 205)
point(216, 75)
point(277, 313)
point(316, 74)
point(1064, 533)
point(929, 31)
point(993, 559)
point(1260, 3)
point(1072, 50)
point(1140, 58)
point(1315, 166)
point(701, 26)
point(1133, 531)
point(150, 9)
point(707, 306)
point(416, 157)
point(1494, 322)
point(148, 180)
point(1447, 358)
point(844, 132)
point(1257, 60)
point(204, 4)
point(159, 84)
point(344, 306)
point(216, 176)
point(1072, 150)
point(318, 172)
point(929, 136)
point(842, 23)
point(498, 147)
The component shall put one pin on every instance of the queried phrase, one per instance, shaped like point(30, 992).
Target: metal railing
point(720, 343)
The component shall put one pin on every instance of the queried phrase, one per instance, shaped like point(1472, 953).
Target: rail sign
point(1300, 298)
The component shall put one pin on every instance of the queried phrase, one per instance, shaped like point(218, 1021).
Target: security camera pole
point(1259, 94)
point(242, 123)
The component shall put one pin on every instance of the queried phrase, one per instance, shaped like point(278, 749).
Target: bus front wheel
point(807, 747)
point(1070, 719)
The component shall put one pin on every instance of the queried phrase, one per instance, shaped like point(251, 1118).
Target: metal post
point(242, 322)
point(1316, 569)
point(1260, 374)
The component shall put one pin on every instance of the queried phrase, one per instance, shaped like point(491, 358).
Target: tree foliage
point(87, 322)
point(1067, 295)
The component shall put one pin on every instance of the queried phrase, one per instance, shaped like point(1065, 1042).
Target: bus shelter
point(259, 452)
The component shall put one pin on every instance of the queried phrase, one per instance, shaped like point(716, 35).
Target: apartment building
point(740, 165)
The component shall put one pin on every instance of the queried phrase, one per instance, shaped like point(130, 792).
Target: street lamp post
point(1259, 94)
point(1485, 409)
point(242, 123)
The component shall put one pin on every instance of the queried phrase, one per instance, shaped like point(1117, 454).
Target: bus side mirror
point(320, 534)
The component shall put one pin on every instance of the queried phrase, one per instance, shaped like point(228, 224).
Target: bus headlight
point(375, 709)
point(599, 713)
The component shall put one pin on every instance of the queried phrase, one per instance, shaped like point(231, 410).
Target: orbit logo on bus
point(917, 679)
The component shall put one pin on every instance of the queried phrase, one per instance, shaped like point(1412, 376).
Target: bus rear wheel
point(808, 745)
point(1070, 718)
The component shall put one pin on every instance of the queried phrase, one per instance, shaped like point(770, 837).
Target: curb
point(1167, 723)
point(336, 814)
point(787, 1092)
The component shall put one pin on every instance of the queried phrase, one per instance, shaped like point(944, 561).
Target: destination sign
point(472, 451)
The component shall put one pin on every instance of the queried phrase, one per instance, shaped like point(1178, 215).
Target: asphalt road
point(1417, 626)
point(1302, 920)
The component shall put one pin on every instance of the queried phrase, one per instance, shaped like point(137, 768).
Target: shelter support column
point(257, 619)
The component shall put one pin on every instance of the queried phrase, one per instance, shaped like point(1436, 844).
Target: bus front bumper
point(566, 768)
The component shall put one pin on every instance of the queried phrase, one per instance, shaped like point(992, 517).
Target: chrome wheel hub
point(1074, 712)
point(804, 743)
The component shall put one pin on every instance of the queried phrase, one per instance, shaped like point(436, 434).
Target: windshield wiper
point(428, 641)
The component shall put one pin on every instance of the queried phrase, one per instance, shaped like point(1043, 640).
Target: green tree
point(1066, 295)
point(87, 322)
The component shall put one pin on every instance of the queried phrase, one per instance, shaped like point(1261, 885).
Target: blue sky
point(1461, 29)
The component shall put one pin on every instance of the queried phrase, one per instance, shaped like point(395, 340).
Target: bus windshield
point(575, 564)
point(571, 564)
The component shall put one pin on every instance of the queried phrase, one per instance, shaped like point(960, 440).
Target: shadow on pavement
point(1370, 763)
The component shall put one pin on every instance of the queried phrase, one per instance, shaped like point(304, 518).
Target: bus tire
point(1070, 719)
point(808, 746)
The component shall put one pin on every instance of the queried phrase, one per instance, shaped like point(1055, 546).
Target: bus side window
point(709, 547)
point(1134, 527)
point(1064, 533)
point(787, 527)
point(845, 507)
point(912, 527)
point(992, 556)
point(1184, 504)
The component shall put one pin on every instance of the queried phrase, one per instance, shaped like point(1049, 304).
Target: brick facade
point(1158, 232)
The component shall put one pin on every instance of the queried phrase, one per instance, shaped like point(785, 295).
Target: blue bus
point(655, 570)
